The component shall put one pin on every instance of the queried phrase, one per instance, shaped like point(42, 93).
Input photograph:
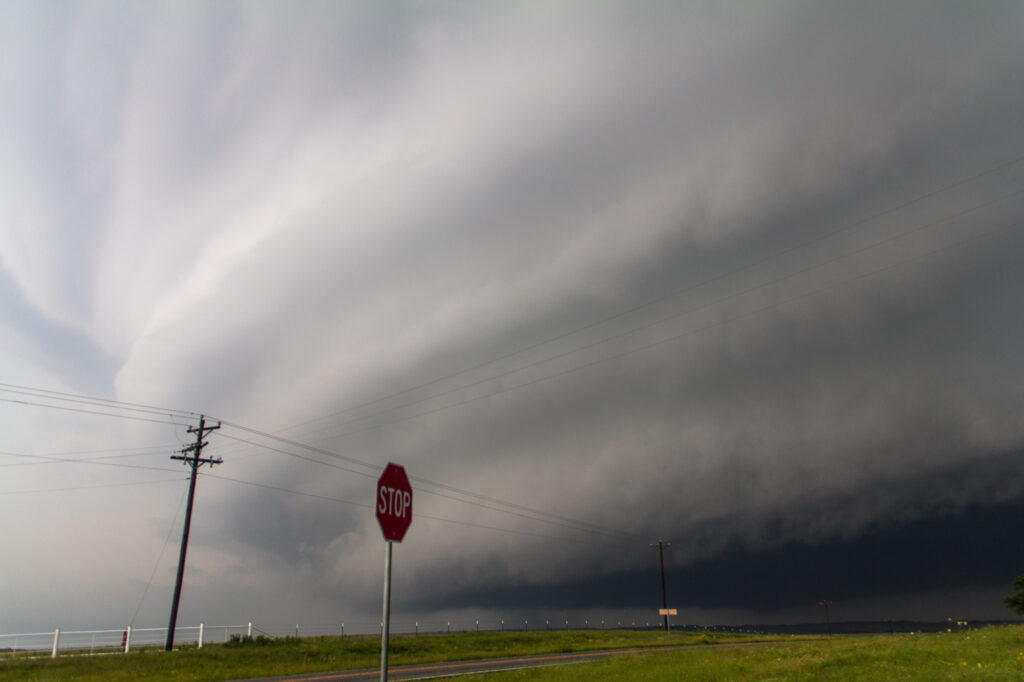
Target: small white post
point(201, 635)
point(56, 639)
point(342, 629)
point(249, 634)
point(128, 639)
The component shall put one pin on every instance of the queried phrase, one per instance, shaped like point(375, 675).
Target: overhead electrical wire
point(524, 511)
point(419, 515)
point(81, 399)
point(137, 450)
point(76, 397)
point(89, 487)
point(51, 459)
point(95, 461)
point(88, 400)
point(82, 411)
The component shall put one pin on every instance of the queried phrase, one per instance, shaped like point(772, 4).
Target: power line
point(559, 520)
point(50, 459)
point(552, 519)
point(75, 409)
point(88, 487)
point(63, 460)
point(76, 397)
point(138, 450)
point(428, 517)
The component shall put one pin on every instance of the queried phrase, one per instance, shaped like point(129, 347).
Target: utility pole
point(828, 618)
point(661, 559)
point(195, 461)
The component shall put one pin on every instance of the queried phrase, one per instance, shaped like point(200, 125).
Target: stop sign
point(394, 502)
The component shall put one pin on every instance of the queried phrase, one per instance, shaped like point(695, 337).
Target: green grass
point(985, 654)
point(258, 658)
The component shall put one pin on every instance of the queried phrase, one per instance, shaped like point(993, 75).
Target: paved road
point(436, 671)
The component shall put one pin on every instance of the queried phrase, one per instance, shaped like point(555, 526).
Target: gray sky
point(740, 276)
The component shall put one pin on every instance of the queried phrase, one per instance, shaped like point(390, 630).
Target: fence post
point(56, 639)
point(128, 639)
point(342, 629)
point(201, 635)
point(249, 633)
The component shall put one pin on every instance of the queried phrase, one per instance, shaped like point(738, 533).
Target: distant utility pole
point(195, 461)
point(828, 619)
point(661, 559)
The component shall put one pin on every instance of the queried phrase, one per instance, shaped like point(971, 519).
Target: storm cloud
point(745, 278)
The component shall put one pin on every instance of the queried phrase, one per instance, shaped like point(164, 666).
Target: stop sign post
point(394, 513)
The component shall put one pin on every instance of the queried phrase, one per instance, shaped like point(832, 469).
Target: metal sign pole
point(385, 629)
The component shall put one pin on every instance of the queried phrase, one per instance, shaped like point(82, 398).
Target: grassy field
point(983, 654)
point(287, 656)
point(986, 654)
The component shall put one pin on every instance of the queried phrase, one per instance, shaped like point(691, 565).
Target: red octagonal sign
point(394, 502)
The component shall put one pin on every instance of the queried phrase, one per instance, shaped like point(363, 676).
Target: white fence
point(101, 641)
point(114, 641)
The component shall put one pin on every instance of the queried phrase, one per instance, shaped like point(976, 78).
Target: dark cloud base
point(980, 545)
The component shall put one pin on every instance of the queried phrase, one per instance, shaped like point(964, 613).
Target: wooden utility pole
point(661, 559)
point(195, 461)
point(828, 618)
